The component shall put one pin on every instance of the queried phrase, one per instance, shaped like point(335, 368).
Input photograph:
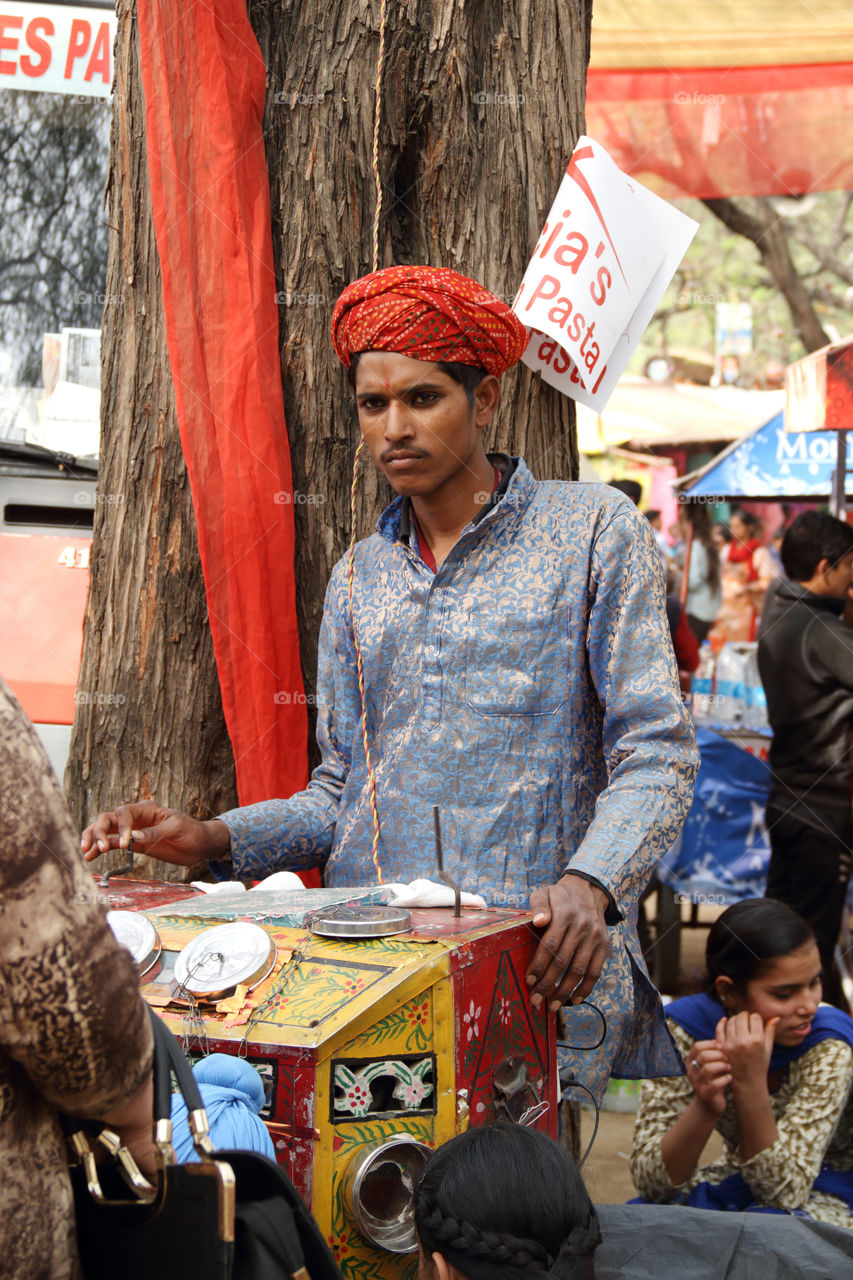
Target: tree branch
point(766, 233)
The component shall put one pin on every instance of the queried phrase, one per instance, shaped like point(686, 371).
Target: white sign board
point(602, 263)
point(56, 48)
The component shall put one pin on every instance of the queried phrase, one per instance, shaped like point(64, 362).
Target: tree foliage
point(725, 261)
point(54, 150)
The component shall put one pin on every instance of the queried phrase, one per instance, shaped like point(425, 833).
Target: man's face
point(417, 422)
point(838, 578)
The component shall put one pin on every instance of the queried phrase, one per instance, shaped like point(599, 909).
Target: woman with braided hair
point(501, 1204)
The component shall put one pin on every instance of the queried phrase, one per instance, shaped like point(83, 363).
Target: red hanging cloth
point(204, 82)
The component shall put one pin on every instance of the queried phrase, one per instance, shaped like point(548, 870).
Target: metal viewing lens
point(380, 1185)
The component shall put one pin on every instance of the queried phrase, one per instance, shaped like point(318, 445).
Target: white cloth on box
point(220, 886)
point(284, 881)
point(426, 893)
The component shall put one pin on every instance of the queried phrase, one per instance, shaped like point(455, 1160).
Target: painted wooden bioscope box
point(372, 1051)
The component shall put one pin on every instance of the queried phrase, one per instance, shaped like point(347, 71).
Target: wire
point(371, 777)
point(376, 118)
point(572, 1083)
point(588, 1048)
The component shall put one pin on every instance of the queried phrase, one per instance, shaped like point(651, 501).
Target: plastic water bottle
point(756, 699)
point(702, 684)
point(730, 690)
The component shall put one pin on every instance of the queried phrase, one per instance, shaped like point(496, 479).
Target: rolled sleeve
point(661, 1103)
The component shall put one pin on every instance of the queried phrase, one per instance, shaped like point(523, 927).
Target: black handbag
point(232, 1216)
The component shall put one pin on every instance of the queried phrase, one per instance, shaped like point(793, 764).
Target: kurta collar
point(516, 486)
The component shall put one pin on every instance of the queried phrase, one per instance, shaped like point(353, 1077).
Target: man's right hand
point(160, 833)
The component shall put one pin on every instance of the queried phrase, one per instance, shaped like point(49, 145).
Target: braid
point(514, 1178)
point(487, 1246)
point(581, 1242)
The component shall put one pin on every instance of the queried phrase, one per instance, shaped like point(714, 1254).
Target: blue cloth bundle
point(233, 1094)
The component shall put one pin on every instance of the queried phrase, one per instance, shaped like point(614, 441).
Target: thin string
point(376, 117)
point(371, 777)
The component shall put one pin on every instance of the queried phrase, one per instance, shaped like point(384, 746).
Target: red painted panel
point(494, 1021)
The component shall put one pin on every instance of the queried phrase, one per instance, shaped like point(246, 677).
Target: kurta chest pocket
point(516, 659)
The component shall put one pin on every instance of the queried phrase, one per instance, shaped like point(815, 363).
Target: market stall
point(771, 464)
point(377, 1033)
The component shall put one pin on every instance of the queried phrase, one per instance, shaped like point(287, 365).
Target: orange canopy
point(721, 98)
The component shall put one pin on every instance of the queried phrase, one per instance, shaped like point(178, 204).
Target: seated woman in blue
point(767, 1068)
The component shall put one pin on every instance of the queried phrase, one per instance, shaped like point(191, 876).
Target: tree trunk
point(149, 716)
point(481, 109)
point(481, 106)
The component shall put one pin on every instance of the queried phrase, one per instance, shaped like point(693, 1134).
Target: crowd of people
point(730, 564)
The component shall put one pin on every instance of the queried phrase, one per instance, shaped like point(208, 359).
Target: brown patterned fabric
point(74, 1034)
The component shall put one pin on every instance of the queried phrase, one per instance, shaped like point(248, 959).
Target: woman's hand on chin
point(709, 1072)
point(747, 1044)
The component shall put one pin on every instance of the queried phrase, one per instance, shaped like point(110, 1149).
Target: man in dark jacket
point(805, 657)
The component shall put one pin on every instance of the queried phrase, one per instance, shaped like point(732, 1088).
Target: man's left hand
point(574, 944)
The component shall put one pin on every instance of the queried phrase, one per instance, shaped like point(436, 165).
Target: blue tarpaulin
point(771, 463)
point(724, 849)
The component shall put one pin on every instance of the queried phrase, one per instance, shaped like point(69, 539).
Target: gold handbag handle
point(144, 1192)
point(167, 1058)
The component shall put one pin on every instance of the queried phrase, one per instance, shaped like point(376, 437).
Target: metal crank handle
point(119, 871)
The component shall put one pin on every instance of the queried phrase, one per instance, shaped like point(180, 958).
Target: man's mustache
point(388, 454)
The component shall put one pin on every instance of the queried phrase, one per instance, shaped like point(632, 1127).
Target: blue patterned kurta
point(528, 688)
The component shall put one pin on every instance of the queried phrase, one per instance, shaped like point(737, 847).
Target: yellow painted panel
point(358, 1259)
point(334, 992)
point(323, 1158)
point(408, 1029)
point(657, 35)
point(447, 1122)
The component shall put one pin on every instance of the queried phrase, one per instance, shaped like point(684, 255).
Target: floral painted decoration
point(353, 1093)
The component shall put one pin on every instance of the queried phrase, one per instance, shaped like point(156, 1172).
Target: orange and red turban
point(428, 313)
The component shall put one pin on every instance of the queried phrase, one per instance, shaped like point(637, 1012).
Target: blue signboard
point(773, 463)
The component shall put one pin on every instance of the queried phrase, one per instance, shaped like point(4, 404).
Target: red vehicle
point(47, 503)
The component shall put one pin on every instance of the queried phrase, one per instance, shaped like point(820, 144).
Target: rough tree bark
point(149, 716)
point(481, 106)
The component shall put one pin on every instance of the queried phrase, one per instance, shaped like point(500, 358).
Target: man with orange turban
point(517, 671)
